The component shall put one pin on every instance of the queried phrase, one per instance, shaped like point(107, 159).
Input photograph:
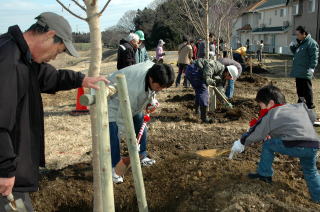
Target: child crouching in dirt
point(287, 129)
point(204, 72)
point(144, 81)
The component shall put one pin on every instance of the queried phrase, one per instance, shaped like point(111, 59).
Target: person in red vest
point(194, 49)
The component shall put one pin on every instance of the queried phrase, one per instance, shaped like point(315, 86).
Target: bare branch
point(72, 13)
point(79, 5)
point(104, 8)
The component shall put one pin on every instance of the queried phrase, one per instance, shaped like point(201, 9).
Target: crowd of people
point(284, 128)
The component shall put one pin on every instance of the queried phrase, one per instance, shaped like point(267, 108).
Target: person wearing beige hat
point(25, 74)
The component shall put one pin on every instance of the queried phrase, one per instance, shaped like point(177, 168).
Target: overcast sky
point(23, 12)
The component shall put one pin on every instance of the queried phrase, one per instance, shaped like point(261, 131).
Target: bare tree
point(92, 17)
point(153, 5)
point(197, 13)
point(222, 13)
point(112, 35)
point(126, 23)
point(211, 15)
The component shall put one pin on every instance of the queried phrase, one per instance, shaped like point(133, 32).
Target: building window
point(295, 9)
point(311, 6)
point(283, 12)
point(276, 12)
point(270, 21)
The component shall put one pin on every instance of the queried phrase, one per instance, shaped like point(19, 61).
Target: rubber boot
point(196, 109)
point(204, 117)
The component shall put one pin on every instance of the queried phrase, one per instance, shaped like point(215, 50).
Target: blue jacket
point(141, 55)
point(306, 55)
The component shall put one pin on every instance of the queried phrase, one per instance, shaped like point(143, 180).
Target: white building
point(270, 21)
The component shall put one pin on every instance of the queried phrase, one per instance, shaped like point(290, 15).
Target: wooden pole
point(132, 143)
point(104, 148)
point(212, 99)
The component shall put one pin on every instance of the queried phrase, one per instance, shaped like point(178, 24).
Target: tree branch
point(72, 13)
point(104, 8)
point(79, 5)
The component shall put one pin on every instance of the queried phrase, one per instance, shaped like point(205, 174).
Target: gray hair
point(133, 36)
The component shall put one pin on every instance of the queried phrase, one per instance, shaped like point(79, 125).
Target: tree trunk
point(94, 70)
point(206, 3)
point(219, 33)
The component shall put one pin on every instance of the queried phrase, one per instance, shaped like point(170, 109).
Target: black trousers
point(17, 195)
point(304, 91)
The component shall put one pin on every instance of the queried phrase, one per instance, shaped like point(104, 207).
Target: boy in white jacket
point(144, 80)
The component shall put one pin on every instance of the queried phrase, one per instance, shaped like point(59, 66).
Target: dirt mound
point(243, 109)
point(254, 78)
point(181, 98)
point(258, 69)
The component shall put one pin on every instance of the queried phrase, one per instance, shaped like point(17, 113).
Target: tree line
point(172, 20)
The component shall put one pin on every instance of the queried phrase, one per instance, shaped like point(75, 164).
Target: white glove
point(292, 44)
point(237, 147)
point(310, 70)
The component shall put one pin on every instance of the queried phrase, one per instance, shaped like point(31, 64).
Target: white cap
point(133, 36)
point(233, 71)
point(161, 42)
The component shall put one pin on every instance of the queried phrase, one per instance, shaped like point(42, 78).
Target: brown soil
point(258, 69)
point(182, 181)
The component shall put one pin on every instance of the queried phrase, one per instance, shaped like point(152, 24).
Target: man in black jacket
point(127, 51)
point(25, 74)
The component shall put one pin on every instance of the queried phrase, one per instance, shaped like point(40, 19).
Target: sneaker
point(147, 161)
point(116, 178)
point(258, 176)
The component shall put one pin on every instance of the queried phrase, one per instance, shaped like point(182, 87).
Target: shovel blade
point(212, 153)
point(18, 207)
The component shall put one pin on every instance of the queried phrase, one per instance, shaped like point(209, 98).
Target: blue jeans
point(230, 89)
point(115, 141)
point(307, 158)
point(182, 69)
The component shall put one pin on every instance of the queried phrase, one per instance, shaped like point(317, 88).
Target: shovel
point(15, 205)
point(212, 153)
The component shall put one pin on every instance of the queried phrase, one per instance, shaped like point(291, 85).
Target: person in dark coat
point(25, 74)
point(305, 60)
point(127, 51)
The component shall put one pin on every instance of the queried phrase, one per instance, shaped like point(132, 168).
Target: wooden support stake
point(132, 142)
point(212, 99)
point(87, 99)
point(104, 149)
